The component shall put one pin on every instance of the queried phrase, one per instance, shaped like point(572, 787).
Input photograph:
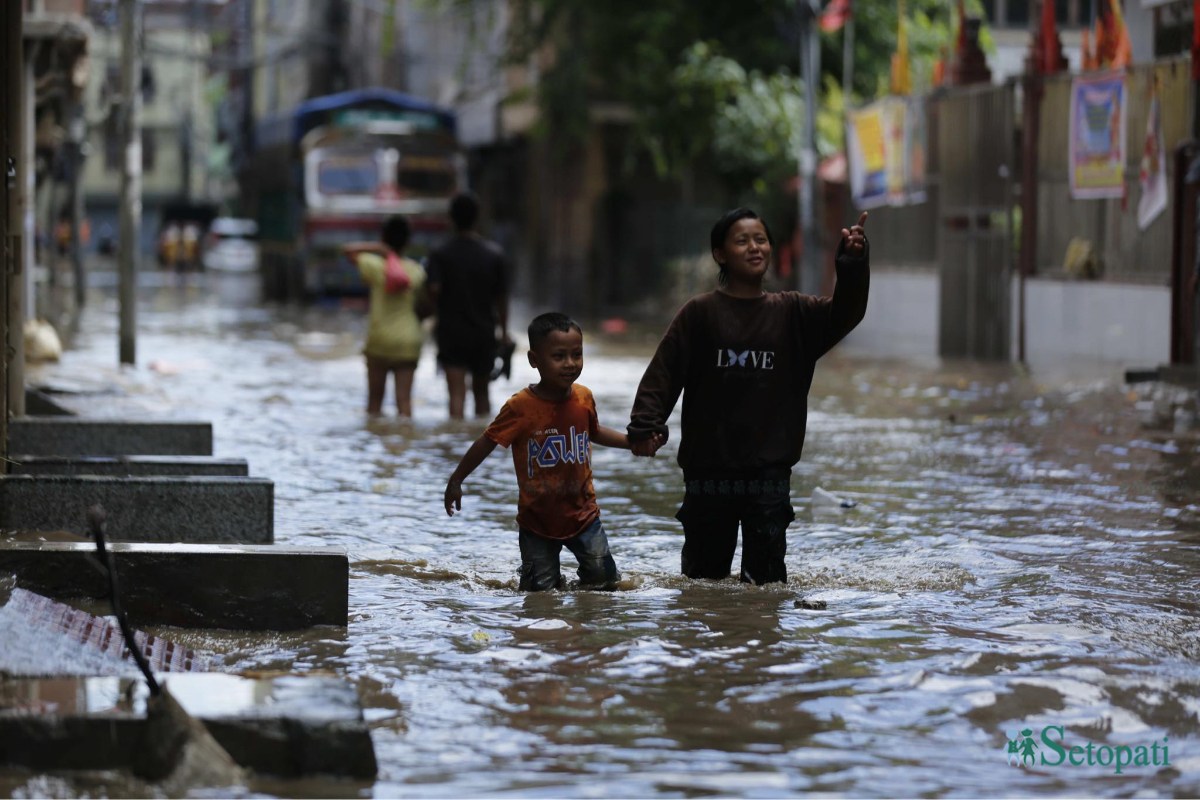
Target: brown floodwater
point(1022, 556)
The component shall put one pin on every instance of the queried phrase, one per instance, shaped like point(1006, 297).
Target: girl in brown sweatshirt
point(743, 360)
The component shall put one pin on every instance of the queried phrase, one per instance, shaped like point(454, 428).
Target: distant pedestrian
point(551, 426)
point(169, 243)
point(468, 281)
point(190, 246)
point(744, 360)
point(397, 300)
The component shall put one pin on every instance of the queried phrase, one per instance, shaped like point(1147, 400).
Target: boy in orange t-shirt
point(551, 426)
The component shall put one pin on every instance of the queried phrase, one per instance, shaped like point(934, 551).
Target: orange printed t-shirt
point(552, 453)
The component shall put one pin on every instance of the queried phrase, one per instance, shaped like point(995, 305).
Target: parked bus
point(332, 170)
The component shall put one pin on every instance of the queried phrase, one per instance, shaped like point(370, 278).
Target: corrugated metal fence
point(976, 166)
point(966, 229)
point(910, 236)
point(1127, 254)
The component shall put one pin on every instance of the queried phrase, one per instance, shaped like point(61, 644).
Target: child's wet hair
point(395, 232)
point(721, 230)
point(545, 324)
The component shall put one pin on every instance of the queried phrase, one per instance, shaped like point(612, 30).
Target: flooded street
point(1023, 556)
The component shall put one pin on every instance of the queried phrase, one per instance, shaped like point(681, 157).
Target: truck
point(332, 170)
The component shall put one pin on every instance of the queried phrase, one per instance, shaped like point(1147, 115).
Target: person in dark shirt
point(468, 281)
point(744, 360)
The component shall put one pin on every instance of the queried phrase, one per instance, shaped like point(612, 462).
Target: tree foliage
point(708, 79)
point(629, 52)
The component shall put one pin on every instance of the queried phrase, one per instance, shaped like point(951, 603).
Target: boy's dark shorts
point(475, 357)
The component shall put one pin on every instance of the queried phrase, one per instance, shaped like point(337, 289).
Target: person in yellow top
point(394, 335)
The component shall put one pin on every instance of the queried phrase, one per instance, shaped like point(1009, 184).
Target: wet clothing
point(551, 445)
point(471, 275)
point(710, 515)
point(552, 455)
point(540, 569)
point(744, 367)
point(393, 328)
point(390, 364)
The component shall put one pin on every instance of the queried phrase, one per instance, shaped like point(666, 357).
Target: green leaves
point(709, 84)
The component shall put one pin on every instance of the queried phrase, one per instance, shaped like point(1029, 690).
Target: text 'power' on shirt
point(552, 456)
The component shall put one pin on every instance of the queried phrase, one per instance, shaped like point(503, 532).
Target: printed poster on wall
point(1097, 136)
point(885, 146)
point(865, 150)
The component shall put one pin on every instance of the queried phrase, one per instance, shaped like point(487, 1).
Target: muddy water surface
point(1022, 557)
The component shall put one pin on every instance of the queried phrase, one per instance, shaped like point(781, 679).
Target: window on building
point(1016, 13)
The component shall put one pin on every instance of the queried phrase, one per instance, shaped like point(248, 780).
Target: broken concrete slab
point(195, 586)
point(200, 509)
point(79, 436)
point(128, 465)
point(286, 725)
point(44, 637)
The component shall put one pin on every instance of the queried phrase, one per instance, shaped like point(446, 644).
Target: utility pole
point(129, 247)
point(22, 291)
point(11, 151)
point(808, 272)
point(847, 59)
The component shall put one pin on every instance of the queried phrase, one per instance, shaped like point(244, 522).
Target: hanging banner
point(1097, 136)
point(1153, 176)
point(865, 151)
point(885, 147)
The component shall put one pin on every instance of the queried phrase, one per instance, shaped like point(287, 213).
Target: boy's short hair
point(544, 324)
point(464, 210)
point(395, 232)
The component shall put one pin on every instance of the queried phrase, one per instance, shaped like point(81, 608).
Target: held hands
point(856, 237)
point(648, 447)
point(453, 498)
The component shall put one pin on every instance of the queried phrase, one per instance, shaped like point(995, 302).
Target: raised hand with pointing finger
point(854, 238)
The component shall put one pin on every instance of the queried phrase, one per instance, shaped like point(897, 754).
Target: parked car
point(230, 245)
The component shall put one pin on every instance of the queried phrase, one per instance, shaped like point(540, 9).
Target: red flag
point(837, 13)
point(1049, 37)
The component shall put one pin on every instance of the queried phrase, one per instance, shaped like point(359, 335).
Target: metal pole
point(129, 247)
point(11, 152)
point(847, 60)
point(21, 302)
point(809, 274)
point(77, 139)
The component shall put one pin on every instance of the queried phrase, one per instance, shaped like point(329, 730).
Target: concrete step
point(288, 725)
point(129, 465)
point(78, 436)
point(143, 509)
point(194, 586)
point(39, 402)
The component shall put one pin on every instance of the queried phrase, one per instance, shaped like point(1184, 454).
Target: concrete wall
point(902, 315)
point(1111, 323)
point(1080, 322)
